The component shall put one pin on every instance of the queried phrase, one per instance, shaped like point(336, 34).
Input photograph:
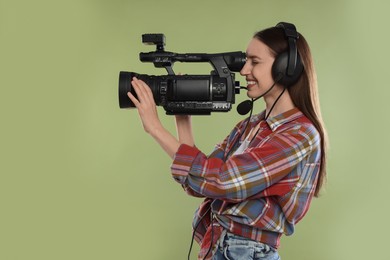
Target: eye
point(253, 60)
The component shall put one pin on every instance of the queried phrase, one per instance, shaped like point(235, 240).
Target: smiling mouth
point(251, 83)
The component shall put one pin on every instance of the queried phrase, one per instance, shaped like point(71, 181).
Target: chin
point(252, 95)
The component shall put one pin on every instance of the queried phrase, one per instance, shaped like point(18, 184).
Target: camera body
point(186, 94)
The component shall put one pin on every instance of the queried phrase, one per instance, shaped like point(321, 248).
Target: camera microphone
point(245, 106)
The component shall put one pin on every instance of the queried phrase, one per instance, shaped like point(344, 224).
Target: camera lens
point(124, 87)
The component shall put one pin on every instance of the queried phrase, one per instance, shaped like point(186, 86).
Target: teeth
point(251, 82)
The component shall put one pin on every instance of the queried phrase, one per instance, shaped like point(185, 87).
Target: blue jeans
point(232, 247)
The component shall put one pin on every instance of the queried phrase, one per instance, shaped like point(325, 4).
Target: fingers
point(144, 93)
point(139, 90)
point(141, 85)
point(133, 99)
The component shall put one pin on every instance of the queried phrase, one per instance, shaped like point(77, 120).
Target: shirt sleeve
point(243, 175)
point(218, 152)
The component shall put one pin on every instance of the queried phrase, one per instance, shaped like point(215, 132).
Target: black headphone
point(288, 67)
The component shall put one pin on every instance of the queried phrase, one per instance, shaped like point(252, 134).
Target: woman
point(258, 183)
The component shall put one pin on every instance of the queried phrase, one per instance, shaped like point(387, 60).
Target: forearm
point(166, 140)
point(184, 130)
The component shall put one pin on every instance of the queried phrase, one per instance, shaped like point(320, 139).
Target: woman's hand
point(148, 113)
point(146, 106)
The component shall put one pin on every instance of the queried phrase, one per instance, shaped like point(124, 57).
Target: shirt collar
point(281, 119)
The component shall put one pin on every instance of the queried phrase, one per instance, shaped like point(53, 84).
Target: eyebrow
point(252, 56)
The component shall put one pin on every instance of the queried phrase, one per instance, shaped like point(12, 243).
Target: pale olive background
point(81, 180)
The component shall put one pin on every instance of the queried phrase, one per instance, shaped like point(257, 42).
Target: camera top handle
point(223, 63)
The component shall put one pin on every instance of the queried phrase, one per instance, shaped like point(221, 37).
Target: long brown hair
point(304, 93)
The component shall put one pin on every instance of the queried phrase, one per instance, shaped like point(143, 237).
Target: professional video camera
point(186, 94)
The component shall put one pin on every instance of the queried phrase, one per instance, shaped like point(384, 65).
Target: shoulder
point(302, 127)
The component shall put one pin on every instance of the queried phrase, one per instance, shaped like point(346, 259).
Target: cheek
point(264, 80)
point(263, 73)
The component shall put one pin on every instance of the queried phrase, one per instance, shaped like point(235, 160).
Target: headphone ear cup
point(279, 70)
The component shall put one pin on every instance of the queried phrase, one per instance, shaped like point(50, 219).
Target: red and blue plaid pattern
point(263, 192)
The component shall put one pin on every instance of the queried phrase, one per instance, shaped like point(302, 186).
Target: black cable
point(269, 112)
point(212, 236)
point(193, 233)
point(250, 115)
point(251, 111)
point(273, 105)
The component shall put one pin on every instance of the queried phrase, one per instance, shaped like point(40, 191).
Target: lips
point(251, 83)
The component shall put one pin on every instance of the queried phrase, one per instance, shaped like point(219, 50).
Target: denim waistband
point(231, 246)
point(232, 239)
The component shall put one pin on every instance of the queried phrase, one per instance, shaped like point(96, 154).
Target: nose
point(245, 70)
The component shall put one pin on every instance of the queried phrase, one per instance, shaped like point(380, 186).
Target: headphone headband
point(292, 35)
point(289, 29)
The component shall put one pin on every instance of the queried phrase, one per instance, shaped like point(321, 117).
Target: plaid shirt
point(261, 193)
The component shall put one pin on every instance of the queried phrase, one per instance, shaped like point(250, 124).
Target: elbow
point(226, 192)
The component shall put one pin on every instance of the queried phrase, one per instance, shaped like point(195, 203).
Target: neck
point(284, 103)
